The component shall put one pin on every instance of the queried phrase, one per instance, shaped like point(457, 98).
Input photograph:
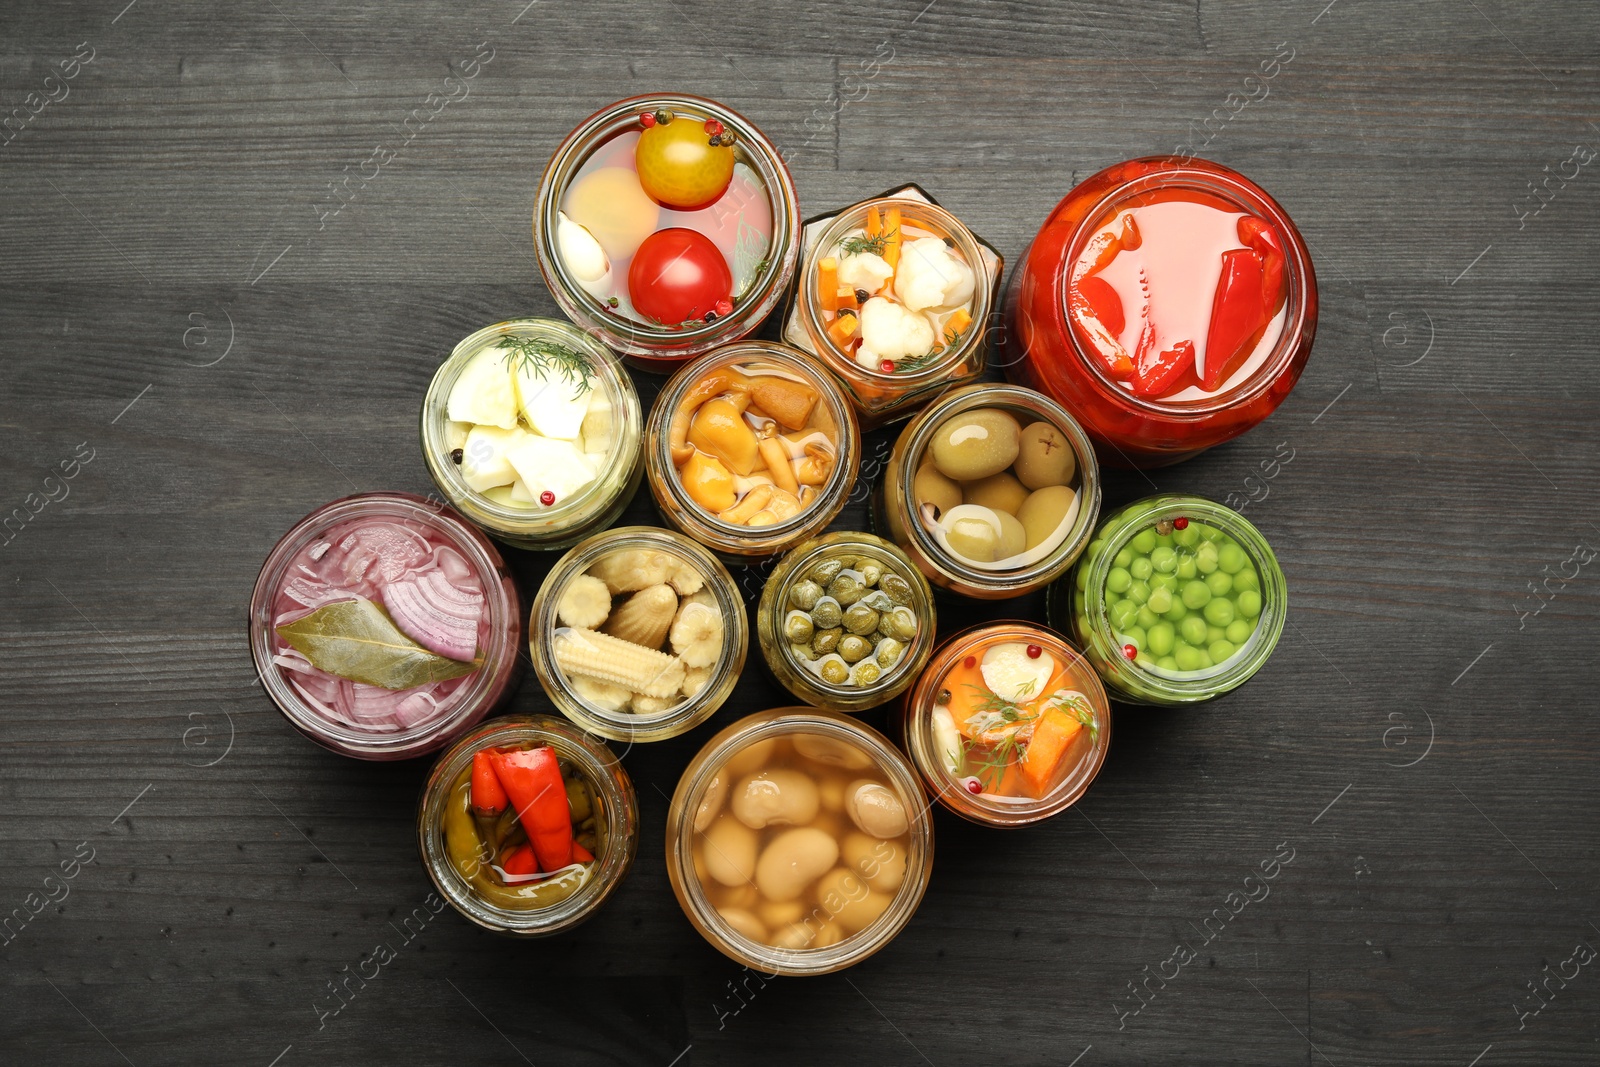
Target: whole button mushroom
point(777, 797)
point(833, 752)
point(794, 860)
point(730, 851)
point(875, 809)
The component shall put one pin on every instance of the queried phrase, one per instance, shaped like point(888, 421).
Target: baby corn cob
point(611, 659)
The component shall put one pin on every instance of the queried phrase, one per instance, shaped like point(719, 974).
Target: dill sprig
point(916, 363)
point(539, 356)
point(993, 712)
point(862, 243)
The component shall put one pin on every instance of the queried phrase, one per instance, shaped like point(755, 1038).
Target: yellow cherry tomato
point(679, 166)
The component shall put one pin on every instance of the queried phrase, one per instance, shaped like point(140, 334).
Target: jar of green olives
point(991, 491)
point(1177, 599)
point(846, 621)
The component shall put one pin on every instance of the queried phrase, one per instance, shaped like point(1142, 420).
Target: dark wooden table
point(192, 329)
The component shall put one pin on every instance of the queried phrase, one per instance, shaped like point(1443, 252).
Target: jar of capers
point(846, 621)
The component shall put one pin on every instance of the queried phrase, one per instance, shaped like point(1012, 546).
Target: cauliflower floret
point(889, 331)
point(864, 270)
point(930, 275)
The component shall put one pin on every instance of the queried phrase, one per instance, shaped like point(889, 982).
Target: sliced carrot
point(1052, 736)
point(874, 222)
point(967, 692)
point(844, 330)
point(956, 326)
point(828, 283)
point(846, 298)
point(892, 242)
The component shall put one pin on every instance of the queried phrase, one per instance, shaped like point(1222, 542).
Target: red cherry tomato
point(678, 275)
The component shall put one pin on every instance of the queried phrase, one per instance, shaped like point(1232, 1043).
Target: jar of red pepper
point(1169, 303)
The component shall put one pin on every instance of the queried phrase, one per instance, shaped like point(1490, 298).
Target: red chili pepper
point(520, 860)
point(1238, 316)
point(1264, 242)
point(581, 854)
point(1158, 372)
point(1104, 302)
point(488, 795)
point(1102, 319)
point(533, 781)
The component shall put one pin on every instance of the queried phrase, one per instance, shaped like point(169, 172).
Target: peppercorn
point(457, 455)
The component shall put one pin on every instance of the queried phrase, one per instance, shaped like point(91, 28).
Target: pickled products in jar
point(807, 845)
point(849, 619)
point(638, 630)
point(523, 828)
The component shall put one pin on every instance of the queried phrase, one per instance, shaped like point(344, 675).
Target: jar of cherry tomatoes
point(1169, 303)
point(666, 225)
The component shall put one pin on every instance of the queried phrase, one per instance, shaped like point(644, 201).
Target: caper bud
point(865, 673)
point(804, 595)
point(834, 671)
point(902, 623)
point(853, 648)
point(826, 641)
point(825, 572)
point(846, 588)
point(827, 613)
point(869, 569)
point(878, 601)
point(802, 653)
point(797, 627)
point(889, 652)
point(897, 588)
point(860, 619)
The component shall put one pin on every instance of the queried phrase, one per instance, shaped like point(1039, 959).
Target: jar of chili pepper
point(1169, 303)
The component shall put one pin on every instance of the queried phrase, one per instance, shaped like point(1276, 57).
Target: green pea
point(1214, 633)
point(1080, 577)
point(1205, 659)
point(1140, 568)
point(1188, 658)
point(1219, 582)
point(1163, 540)
point(1139, 592)
point(1143, 542)
point(1205, 557)
point(1167, 663)
point(1207, 532)
point(1193, 630)
point(1249, 603)
point(1161, 637)
point(1118, 580)
point(1231, 558)
point(1177, 613)
point(1186, 568)
point(804, 595)
point(1168, 582)
point(1160, 600)
point(1188, 537)
point(1123, 613)
point(1219, 650)
point(1122, 558)
point(1196, 595)
point(1095, 546)
point(1164, 559)
point(1219, 612)
point(797, 627)
point(1246, 579)
point(1147, 618)
point(1135, 636)
point(1239, 631)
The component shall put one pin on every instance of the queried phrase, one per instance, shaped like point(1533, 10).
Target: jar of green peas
point(1177, 599)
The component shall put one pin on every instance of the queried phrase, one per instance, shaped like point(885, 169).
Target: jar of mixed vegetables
point(527, 825)
point(1177, 599)
point(846, 622)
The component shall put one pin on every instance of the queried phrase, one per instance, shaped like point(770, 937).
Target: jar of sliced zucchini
point(846, 622)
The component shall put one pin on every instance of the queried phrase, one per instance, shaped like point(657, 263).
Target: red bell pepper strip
point(488, 795)
point(1104, 303)
point(533, 781)
point(520, 860)
point(1158, 372)
point(1086, 307)
point(1238, 316)
point(581, 854)
point(1260, 237)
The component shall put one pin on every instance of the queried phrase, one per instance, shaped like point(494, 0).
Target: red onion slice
point(436, 614)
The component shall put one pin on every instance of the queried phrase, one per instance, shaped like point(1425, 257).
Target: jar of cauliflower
point(638, 634)
point(894, 298)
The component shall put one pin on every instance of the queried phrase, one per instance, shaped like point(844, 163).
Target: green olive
point(970, 533)
point(824, 572)
point(578, 799)
point(931, 487)
point(1043, 511)
point(860, 619)
point(798, 627)
point(889, 652)
point(826, 641)
point(846, 589)
point(975, 444)
point(865, 673)
point(1044, 457)
point(826, 613)
point(1002, 492)
point(898, 589)
point(1013, 536)
point(804, 595)
point(834, 671)
point(854, 648)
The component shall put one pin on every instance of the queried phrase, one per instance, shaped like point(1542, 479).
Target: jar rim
point(1227, 183)
point(642, 338)
point(1203, 684)
point(632, 726)
point(680, 841)
point(915, 439)
point(486, 687)
point(600, 767)
point(980, 808)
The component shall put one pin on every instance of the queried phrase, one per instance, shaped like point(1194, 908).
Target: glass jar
point(1147, 657)
point(756, 224)
point(615, 810)
point(657, 563)
point(398, 535)
point(611, 425)
point(1049, 349)
point(812, 937)
point(824, 453)
point(912, 526)
point(885, 390)
point(991, 783)
point(894, 626)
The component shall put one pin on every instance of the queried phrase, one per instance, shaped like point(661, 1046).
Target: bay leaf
point(356, 639)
